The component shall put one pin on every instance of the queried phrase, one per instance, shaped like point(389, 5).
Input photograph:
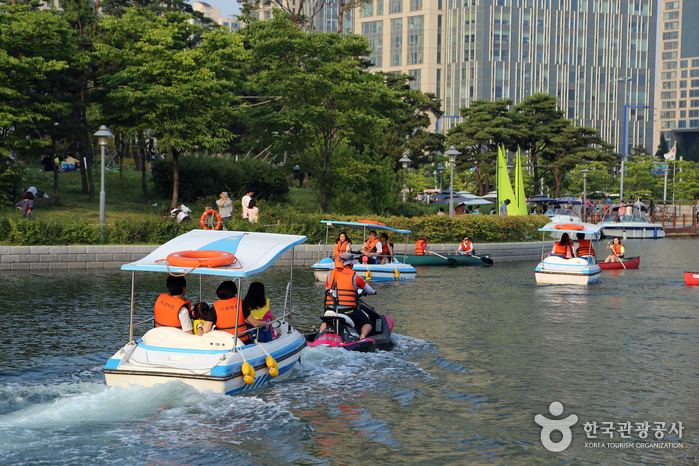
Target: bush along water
point(480, 228)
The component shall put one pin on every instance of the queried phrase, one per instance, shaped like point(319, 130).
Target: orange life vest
point(386, 249)
point(617, 248)
point(585, 248)
point(466, 245)
point(342, 247)
point(420, 247)
point(167, 309)
point(346, 288)
point(370, 245)
point(226, 311)
point(561, 249)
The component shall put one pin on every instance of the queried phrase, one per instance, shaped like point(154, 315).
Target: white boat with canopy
point(217, 360)
point(631, 225)
point(391, 270)
point(555, 270)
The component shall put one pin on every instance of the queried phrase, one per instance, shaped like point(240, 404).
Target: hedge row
point(480, 228)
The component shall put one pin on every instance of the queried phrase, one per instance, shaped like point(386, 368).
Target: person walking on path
point(246, 201)
point(503, 208)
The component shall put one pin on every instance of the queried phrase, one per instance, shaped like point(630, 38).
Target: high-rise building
point(677, 92)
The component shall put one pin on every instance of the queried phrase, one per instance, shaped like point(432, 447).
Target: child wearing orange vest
point(171, 309)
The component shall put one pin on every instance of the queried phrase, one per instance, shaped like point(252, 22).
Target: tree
point(181, 87)
point(327, 98)
point(304, 12)
point(486, 125)
point(662, 148)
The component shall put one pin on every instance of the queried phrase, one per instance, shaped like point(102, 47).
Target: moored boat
point(217, 361)
point(555, 270)
point(630, 263)
point(392, 270)
point(636, 225)
point(691, 278)
point(460, 260)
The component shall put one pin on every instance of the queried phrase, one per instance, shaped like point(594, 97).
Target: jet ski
point(340, 332)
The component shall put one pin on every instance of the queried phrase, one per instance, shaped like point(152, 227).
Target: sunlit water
point(478, 353)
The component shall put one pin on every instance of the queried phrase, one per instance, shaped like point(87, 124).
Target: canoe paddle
point(452, 261)
point(620, 259)
point(486, 260)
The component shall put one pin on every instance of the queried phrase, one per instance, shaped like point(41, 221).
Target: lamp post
point(451, 153)
point(103, 136)
point(665, 187)
point(405, 161)
point(584, 174)
point(440, 167)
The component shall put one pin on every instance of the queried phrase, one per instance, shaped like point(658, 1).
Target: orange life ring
point(569, 226)
point(371, 222)
point(203, 218)
point(201, 259)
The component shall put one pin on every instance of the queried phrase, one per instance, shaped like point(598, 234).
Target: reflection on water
point(478, 353)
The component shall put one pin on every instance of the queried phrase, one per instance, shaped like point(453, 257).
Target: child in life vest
point(199, 314)
point(258, 305)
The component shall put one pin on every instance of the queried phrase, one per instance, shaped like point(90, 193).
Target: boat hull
point(370, 272)
point(630, 263)
point(691, 278)
point(558, 271)
point(432, 260)
point(633, 230)
point(163, 356)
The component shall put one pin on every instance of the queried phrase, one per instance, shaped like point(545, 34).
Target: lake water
point(479, 352)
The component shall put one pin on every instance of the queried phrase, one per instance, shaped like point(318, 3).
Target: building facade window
point(373, 30)
point(415, 83)
point(395, 6)
point(396, 41)
point(415, 5)
point(416, 39)
point(366, 10)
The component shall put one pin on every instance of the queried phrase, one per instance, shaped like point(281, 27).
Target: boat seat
point(169, 337)
point(347, 319)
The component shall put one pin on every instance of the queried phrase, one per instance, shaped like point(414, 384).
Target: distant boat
point(691, 278)
point(630, 263)
point(461, 260)
point(554, 270)
point(637, 225)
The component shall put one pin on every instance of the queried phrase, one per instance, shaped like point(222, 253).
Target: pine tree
point(662, 147)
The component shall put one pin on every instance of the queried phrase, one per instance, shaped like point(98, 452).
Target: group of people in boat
point(227, 314)
point(376, 249)
point(565, 248)
point(465, 247)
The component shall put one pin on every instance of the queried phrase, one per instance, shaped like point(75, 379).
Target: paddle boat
point(482, 260)
point(577, 271)
point(636, 225)
point(216, 361)
point(630, 263)
point(392, 270)
point(691, 278)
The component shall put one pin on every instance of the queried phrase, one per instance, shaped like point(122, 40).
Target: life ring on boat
point(202, 220)
point(569, 226)
point(195, 259)
point(372, 222)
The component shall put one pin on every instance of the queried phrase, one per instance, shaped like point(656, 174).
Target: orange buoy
point(203, 218)
point(201, 259)
point(569, 226)
point(371, 222)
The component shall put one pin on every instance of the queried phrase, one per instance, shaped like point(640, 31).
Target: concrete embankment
point(54, 258)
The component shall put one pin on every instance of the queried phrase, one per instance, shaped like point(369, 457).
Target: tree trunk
point(479, 180)
point(88, 168)
point(323, 191)
point(537, 184)
point(175, 177)
point(339, 16)
point(143, 175)
point(559, 181)
point(56, 195)
point(135, 154)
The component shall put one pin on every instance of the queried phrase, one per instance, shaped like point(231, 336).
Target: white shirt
point(224, 207)
point(185, 321)
point(246, 202)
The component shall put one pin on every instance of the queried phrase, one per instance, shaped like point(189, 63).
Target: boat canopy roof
point(361, 225)
point(586, 228)
point(254, 251)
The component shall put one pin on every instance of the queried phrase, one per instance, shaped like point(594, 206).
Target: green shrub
point(204, 177)
point(5, 229)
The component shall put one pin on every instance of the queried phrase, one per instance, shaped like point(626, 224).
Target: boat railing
point(152, 319)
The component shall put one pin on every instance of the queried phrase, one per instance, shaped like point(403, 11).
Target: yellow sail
point(504, 185)
point(519, 186)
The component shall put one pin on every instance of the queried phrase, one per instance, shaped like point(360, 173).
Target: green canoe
point(461, 261)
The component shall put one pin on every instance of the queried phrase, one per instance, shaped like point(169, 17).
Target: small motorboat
point(636, 225)
point(555, 270)
point(392, 270)
point(216, 361)
point(482, 260)
point(630, 263)
point(340, 332)
point(691, 278)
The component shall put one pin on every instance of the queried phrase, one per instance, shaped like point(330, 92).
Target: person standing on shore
point(503, 208)
point(224, 206)
point(246, 201)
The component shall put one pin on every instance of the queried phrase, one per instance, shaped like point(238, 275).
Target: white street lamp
point(665, 187)
point(452, 153)
point(584, 174)
point(103, 136)
point(405, 161)
point(440, 167)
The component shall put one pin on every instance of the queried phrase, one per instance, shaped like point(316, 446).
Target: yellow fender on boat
point(273, 366)
point(368, 275)
point(396, 273)
point(249, 373)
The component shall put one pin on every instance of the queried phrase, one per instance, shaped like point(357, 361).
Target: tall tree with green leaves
point(181, 87)
point(662, 147)
point(326, 97)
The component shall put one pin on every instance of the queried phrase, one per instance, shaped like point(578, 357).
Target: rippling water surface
point(478, 353)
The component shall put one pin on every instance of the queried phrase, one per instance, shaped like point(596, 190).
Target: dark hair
point(29, 196)
point(580, 235)
point(248, 189)
point(200, 311)
point(346, 236)
point(175, 285)
point(374, 232)
point(565, 237)
point(252, 203)
point(422, 238)
point(227, 290)
point(255, 298)
point(384, 235)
